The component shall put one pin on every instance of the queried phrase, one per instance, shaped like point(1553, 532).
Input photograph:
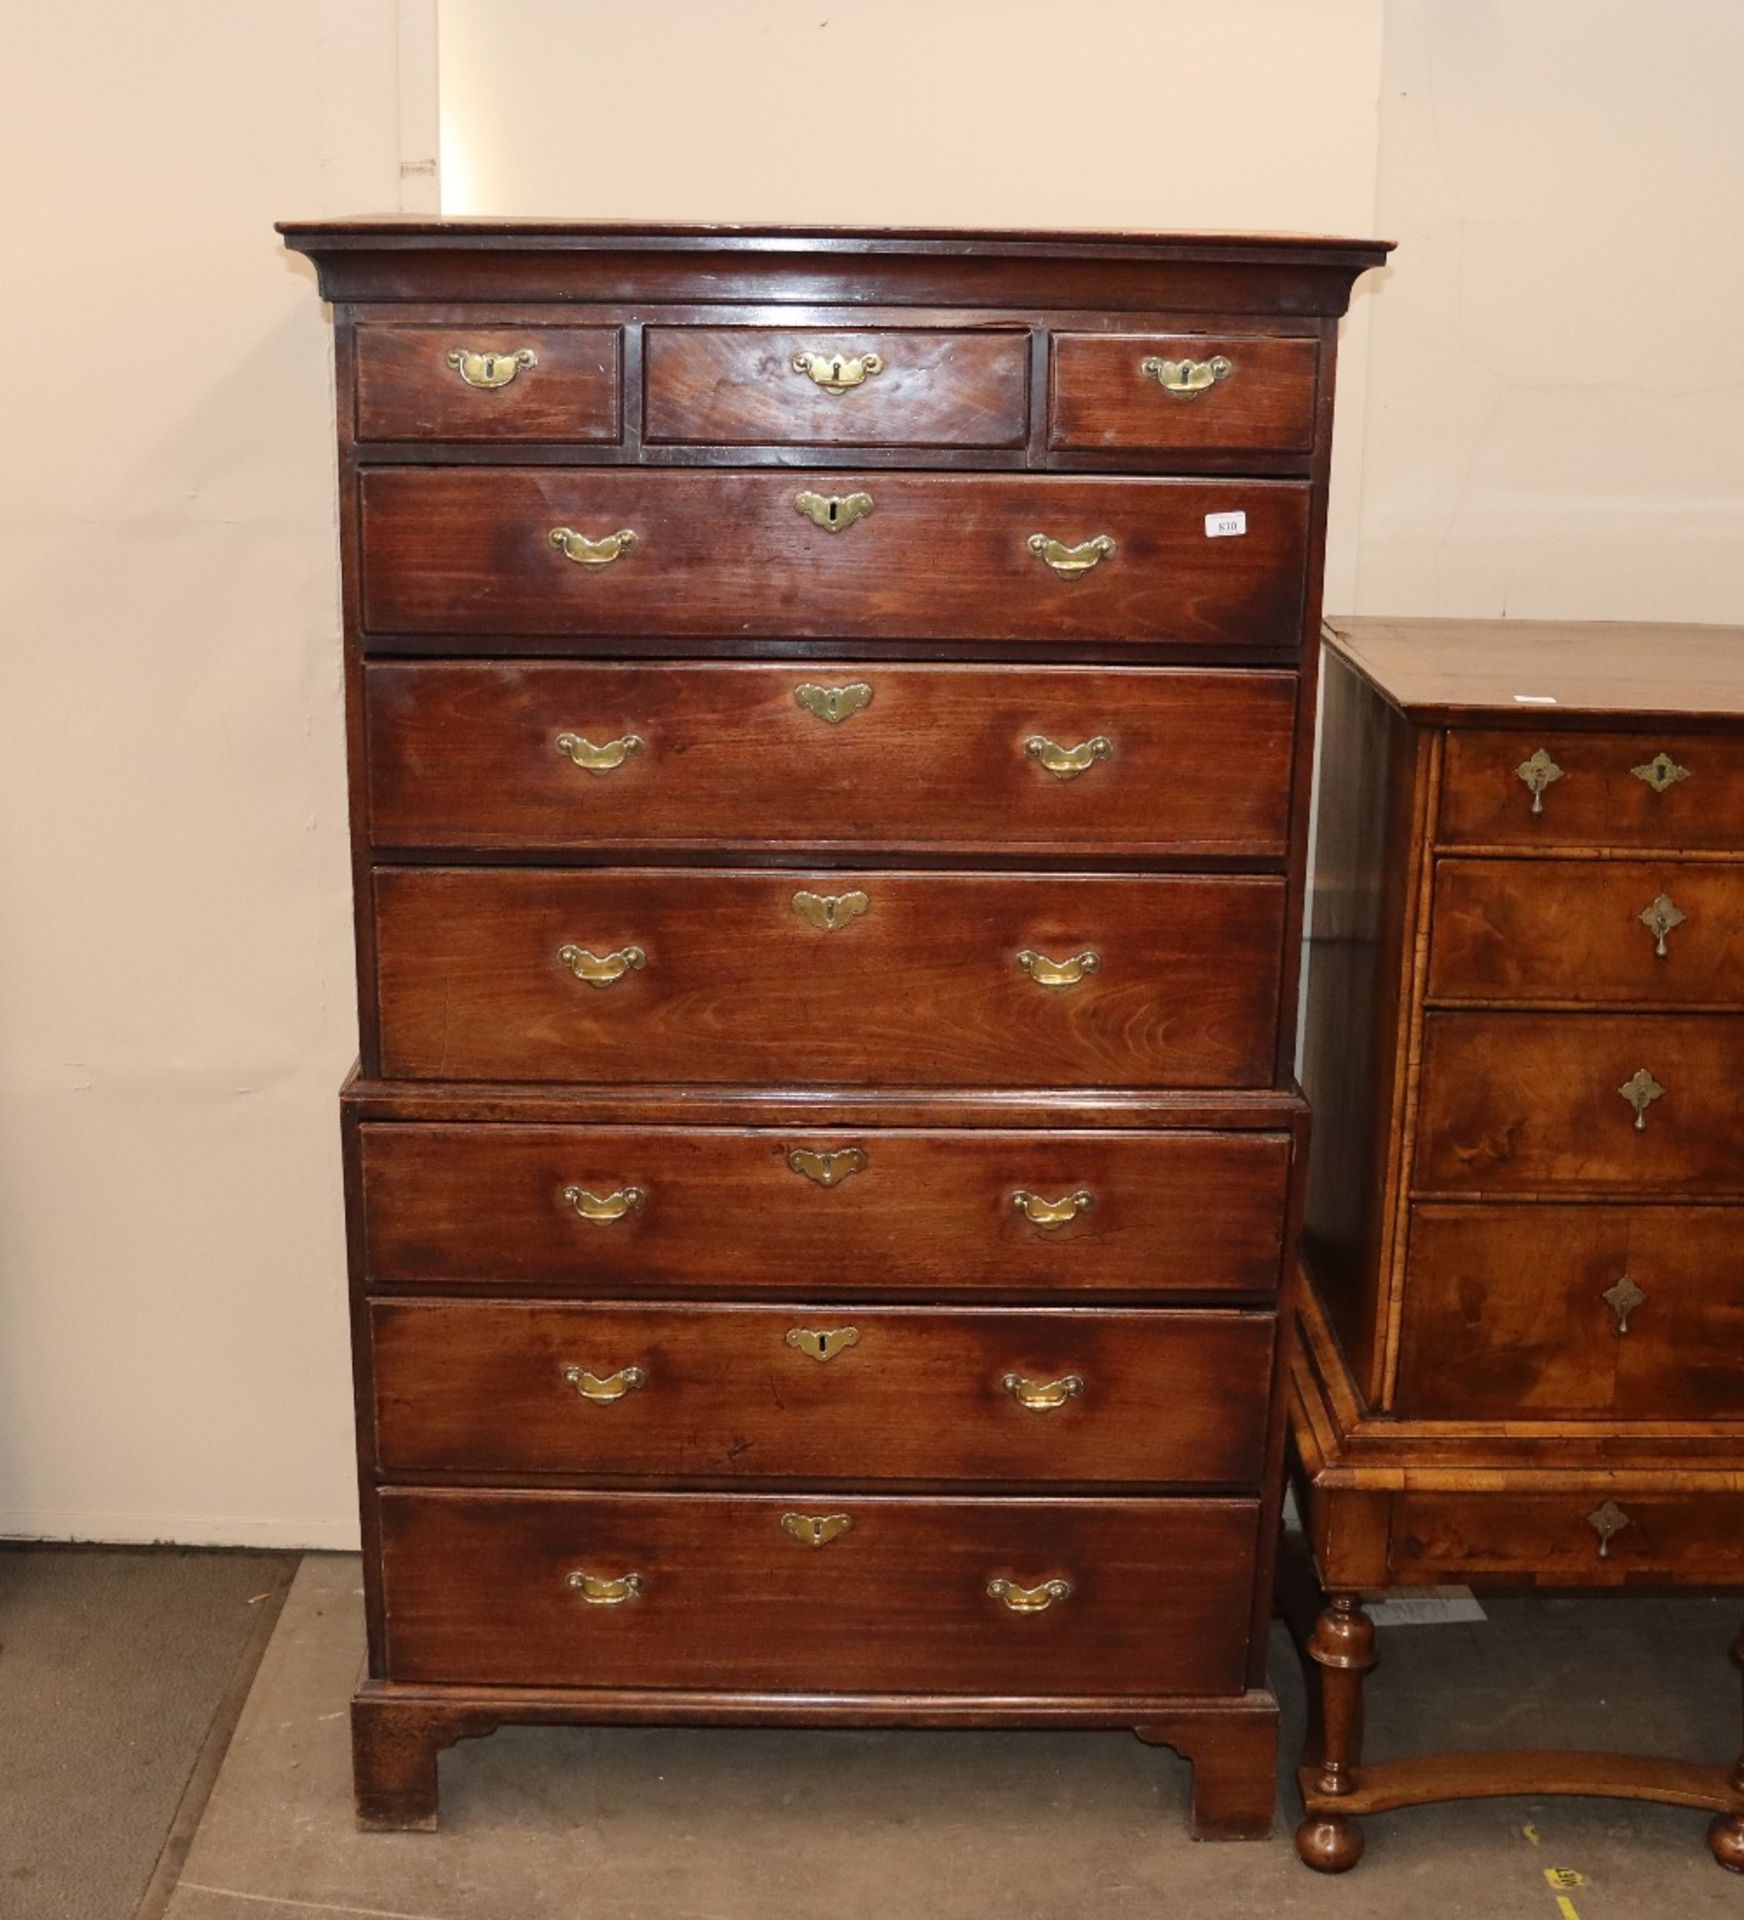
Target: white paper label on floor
point(1219, 526)
point(1425, 1610)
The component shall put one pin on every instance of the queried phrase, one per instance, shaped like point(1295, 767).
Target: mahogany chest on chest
point(1523, 1360)
point(829, 717)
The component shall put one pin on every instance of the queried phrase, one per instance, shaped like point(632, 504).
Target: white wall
point(1548, 420)
point(1555, 417)
point(176, 1000)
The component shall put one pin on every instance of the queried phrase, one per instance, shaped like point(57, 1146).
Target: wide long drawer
point(818, 1594)
point(823, 1393)
point(897, 556)
point(715, 1210)
point(1522, 1312)
point(520, 755)
point(828, 979)
point(1558, 1103)
point(1665, 934)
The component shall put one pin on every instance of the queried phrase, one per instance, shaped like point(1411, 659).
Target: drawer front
point(1670, 934)
point(745, 386)
point(1204, 392)
point(1597, 790)
point(831, 979)
point(1573, 1313)
point(1140, 760)
point(483, 382)
point(1556, 1539)
point(822, 1392)
point(477, 1590)
point(1524, 1103)
point(718, 1210)
point(730, 555)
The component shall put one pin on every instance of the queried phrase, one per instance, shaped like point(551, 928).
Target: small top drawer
point(1513, 788)
point(481, 381)
point(747, 386)
point(1197, 392)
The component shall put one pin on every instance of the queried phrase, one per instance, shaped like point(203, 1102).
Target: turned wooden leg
point(1343, 1648)
point(393, 1763)
point(1726, 1833)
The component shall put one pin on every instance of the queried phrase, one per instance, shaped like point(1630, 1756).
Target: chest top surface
point(1489, 672)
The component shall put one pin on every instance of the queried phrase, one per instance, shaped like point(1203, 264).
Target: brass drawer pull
point(1052, 1213)
point(1066, 763)
point(833, 511)
point(1186, 379)
point(599, 1591)
point(1029, 1599)
point(838, 372)
point(1641, 1090)
point(607, 1391)
point(829, 912)
point(1607, 1522)
point(1067, 561)
point(834, 704)
point(1058, 973)
point(1660, 772)
point(1538, 771)
point(599, 759)
point(1623, 1298)
point(594, 553)
point(601, 971)
point(815, 1530)
point(1042, 1396)
point(820, 1344)
point(491, 369)
point(602, 1212)
point(827, 1169)
point(1659, 919)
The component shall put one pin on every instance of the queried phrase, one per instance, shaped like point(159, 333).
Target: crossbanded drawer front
point(1158, 760)
point(1588, 1539)
point(1664, 934)
point(1187, 391)
point(1596, 1103)
point(808, 387)
point(1557, 789)
point(483, 380)
point(909, 1595)
point(504, 552)
point(644, 1210)
point(828, 978)
point(822, 1392)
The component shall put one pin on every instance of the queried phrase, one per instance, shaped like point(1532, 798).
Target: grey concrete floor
point(678, 1825)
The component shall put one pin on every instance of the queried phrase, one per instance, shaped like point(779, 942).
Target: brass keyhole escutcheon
point(833, 511)
point(1661, 772)
point(827, 1169)
point(1186, 379)
point(1607, 1522)
point(834, 704)
point(1539, 771)
point(829, 912)
point(822, 1343)
point(816, 1530)
point(838, 373)
point(490, 370)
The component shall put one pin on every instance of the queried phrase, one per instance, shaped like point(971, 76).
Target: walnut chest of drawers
point(1524, 1352)
point(828, 720)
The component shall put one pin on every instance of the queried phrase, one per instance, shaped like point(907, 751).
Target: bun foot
point(1726, 1840)
point(1329, 1843)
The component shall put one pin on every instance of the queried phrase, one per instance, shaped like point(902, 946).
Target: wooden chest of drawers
point(828, 724)
point(1524, 1354)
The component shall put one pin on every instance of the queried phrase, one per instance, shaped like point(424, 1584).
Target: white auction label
point(1219, 525)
